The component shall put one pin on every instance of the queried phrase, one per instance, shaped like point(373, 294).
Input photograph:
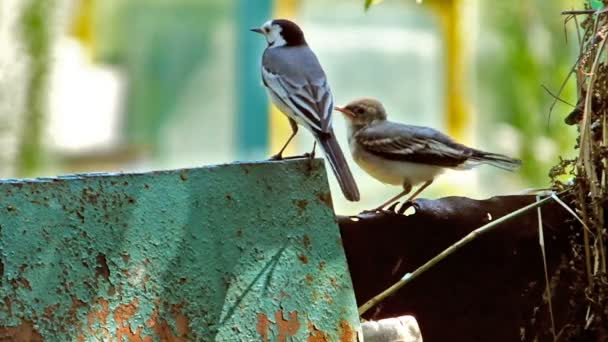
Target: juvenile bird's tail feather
point(334, 156)
point(497, 160)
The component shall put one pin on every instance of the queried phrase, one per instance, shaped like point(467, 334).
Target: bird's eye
point(359, 111)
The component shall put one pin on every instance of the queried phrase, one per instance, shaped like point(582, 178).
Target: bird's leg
point(294, 131)
point(311, 155)
point(406, 190)
point(420, 189)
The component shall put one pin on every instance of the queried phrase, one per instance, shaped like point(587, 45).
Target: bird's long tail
point(334, 156)
point(497, 160)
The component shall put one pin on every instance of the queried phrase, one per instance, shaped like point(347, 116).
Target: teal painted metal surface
point(252, 111)
point(242, 252)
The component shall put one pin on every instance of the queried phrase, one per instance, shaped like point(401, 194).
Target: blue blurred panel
point(252, 104)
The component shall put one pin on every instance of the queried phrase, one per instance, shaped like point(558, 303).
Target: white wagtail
point(406, 155)
point(297, 85)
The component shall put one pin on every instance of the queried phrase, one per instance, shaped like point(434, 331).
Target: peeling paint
point(183, 255)
point(315, 335)
point(263, 326)
point(347, 333)
point(22, 332)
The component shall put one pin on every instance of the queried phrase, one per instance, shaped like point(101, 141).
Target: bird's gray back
point(393, 129)
point(299, 63)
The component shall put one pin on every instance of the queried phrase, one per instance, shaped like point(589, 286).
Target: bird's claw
point(393, 208)
point(405, 206)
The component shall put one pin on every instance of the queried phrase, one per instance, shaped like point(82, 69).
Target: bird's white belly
point(283, 108)
point(395, 172)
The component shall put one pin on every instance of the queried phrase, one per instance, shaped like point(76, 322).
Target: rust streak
point(49, 311)
point(287, 328)
point(315, 335)
point(162, 329)
point(346, 332)
point(122, 314)
point(262, 326)
point(22, 332)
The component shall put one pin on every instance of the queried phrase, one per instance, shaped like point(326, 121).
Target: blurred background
point(133, 85)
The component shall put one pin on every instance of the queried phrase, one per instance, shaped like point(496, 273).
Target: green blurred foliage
point(522, 47)
point(35, 35)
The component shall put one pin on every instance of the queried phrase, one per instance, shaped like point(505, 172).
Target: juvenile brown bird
point(407, 155)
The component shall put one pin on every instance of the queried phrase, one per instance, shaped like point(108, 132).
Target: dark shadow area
point(491, 290)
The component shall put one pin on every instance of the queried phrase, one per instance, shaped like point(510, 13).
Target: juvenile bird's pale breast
point(393, 172)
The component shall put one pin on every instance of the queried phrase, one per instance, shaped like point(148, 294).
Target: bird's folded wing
point(412, 144)
point(311, 101)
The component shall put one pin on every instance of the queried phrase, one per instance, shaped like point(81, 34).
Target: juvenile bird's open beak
point(257, 30)
point(345, 111)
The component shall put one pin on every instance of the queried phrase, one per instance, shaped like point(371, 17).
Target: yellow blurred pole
point(457, 113)
point(279, 126)
point(82, 25)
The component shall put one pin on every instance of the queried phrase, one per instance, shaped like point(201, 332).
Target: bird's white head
point(281, 32)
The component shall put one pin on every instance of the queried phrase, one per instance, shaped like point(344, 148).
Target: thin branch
point(581, 201)
point(541, 242)
point(556, 97)
point(450, 250)
point(579, 12)
point(571, 211)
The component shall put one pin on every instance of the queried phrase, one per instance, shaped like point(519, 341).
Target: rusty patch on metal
point(315, 335)
point(301, 204)
point(346, 332)
point(90, 196)
point(262, 326)
point(322, 265)
point(163, 330)
point(9, 306)
point(101, 316)
point(183, 176)
point(306, 241)
point(21, 282)
point(122, 315)
point(49, 311)
point(22, 332)
point(325, 198)
point(102, 268)
point(286, 328)
point(303, 258)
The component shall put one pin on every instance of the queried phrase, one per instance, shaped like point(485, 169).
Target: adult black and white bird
point(297, 85)
point(407, 155)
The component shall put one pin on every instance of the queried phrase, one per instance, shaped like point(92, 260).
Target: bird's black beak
point(257, 30)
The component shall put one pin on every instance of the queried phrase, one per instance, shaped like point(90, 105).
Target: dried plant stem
point(450, 250)
point(581, 201)
point(587, 148)
point(541, 242)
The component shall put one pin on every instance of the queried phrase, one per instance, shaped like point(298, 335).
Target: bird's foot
point(401, 209)
point(395, 208)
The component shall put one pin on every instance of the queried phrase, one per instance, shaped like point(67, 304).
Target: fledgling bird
point(407, 155)
point(297, 85)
